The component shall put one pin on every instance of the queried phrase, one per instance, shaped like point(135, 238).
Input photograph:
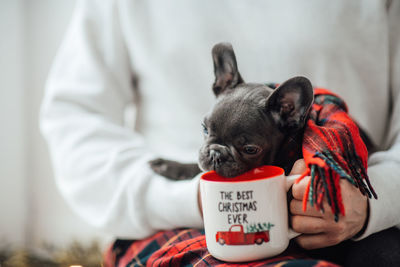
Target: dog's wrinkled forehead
point(242, 108)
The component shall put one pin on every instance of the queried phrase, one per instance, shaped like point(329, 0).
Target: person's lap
point(379, 249)
point(186, 247)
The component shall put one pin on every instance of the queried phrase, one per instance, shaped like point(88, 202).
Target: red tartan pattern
point(187, 247)
point(333, 149)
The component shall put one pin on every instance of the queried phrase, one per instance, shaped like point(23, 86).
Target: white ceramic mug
point(246, 217)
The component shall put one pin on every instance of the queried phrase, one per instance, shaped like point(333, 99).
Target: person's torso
point(339, 45)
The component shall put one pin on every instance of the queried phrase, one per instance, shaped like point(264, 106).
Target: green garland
point(75, 254)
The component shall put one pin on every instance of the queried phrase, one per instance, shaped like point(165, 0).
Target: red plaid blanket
point(333, 150)
point(187, 247)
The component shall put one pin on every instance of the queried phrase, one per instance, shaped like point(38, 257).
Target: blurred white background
point(31, 209)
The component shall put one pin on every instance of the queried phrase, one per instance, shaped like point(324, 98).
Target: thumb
point(299, 167)
point(299, 188)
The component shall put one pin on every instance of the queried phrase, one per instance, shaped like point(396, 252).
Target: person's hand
point(320, 229)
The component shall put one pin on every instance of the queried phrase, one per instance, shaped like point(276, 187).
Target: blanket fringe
point(325, 182)
point(333, 150)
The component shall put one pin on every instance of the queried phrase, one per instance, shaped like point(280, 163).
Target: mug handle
point(289, 182)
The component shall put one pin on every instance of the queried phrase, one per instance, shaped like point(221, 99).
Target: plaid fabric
point(333, 149)
point(187, 247)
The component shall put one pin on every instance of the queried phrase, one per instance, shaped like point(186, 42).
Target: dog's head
point(249, 121)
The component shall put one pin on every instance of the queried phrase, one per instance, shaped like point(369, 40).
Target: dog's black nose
point(215, 156)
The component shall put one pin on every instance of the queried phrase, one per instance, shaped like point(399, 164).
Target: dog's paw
point(173, 169)
point(159, 166)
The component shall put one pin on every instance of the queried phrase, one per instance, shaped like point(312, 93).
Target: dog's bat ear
point(226, 71)
point(290, 103)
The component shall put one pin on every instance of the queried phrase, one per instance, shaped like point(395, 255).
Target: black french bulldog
point(250, 125)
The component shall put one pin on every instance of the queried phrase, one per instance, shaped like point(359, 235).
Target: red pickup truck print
point(236, 236)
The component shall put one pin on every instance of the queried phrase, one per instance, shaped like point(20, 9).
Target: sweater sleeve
point(101, 167)
point(384, 166)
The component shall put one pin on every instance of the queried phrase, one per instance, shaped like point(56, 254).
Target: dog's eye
point(205, 130)
point(251, 150)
